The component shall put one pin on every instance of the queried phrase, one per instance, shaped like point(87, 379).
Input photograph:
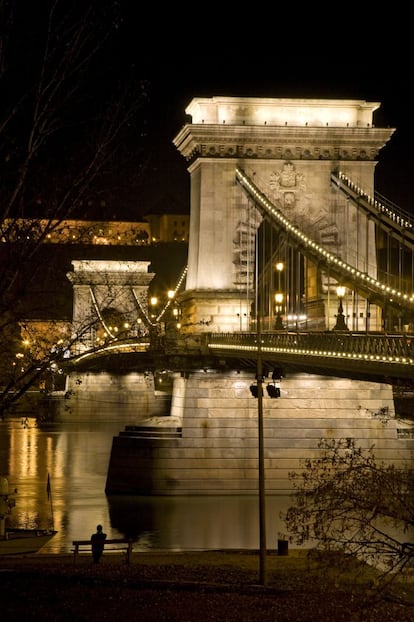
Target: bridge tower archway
point(289, 147)
point(110, 300)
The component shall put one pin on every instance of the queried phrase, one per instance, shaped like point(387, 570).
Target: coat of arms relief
point(303, 207)
point(286, 184)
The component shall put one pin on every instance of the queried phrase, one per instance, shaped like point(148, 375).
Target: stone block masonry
point(217, 449)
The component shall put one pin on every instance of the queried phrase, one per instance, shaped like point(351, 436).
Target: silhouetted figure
point(98, 543)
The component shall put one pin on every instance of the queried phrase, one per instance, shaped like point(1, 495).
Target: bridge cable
point(367, 284)
point(99, 314)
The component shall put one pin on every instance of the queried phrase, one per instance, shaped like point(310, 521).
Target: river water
point(74, 450)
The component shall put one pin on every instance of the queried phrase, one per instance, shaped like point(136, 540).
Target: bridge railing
point(345, 343)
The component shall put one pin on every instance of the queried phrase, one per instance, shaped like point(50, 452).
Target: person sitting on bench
point(98, 543)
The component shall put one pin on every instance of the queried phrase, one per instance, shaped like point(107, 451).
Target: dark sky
point(179, 78)
point(182, 54)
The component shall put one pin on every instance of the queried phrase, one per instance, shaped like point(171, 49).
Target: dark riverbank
point(193, 586)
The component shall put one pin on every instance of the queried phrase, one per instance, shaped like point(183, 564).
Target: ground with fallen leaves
point(208, 586)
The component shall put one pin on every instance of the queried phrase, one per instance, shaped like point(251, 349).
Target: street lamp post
point(279, 268)
point(262, 491)
point(279, 321)
point(340, 318)
point(279, 296)
point(261, 469)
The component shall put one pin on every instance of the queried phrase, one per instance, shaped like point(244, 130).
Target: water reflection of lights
point(31, 454)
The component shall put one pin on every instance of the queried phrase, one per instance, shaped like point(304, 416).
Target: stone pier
point(209, 444)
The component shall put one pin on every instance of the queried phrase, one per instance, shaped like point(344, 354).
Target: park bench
point(123, 545)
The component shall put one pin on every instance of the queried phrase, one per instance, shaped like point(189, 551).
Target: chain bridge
point(299, 275)
point(284, 216)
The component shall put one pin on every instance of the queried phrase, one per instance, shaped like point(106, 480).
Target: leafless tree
point(347, 501)
point(64, 121)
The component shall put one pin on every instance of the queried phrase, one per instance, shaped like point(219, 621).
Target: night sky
point(181, 54)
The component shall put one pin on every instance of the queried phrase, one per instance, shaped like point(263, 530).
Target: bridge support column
point(217, 450)
point(223, 312)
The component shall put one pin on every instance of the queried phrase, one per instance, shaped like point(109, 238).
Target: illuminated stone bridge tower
point(209, 444)
point(110, 297)
point(289, 148)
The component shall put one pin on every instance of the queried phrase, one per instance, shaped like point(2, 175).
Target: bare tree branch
point(63, 121)
point(347, 501)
